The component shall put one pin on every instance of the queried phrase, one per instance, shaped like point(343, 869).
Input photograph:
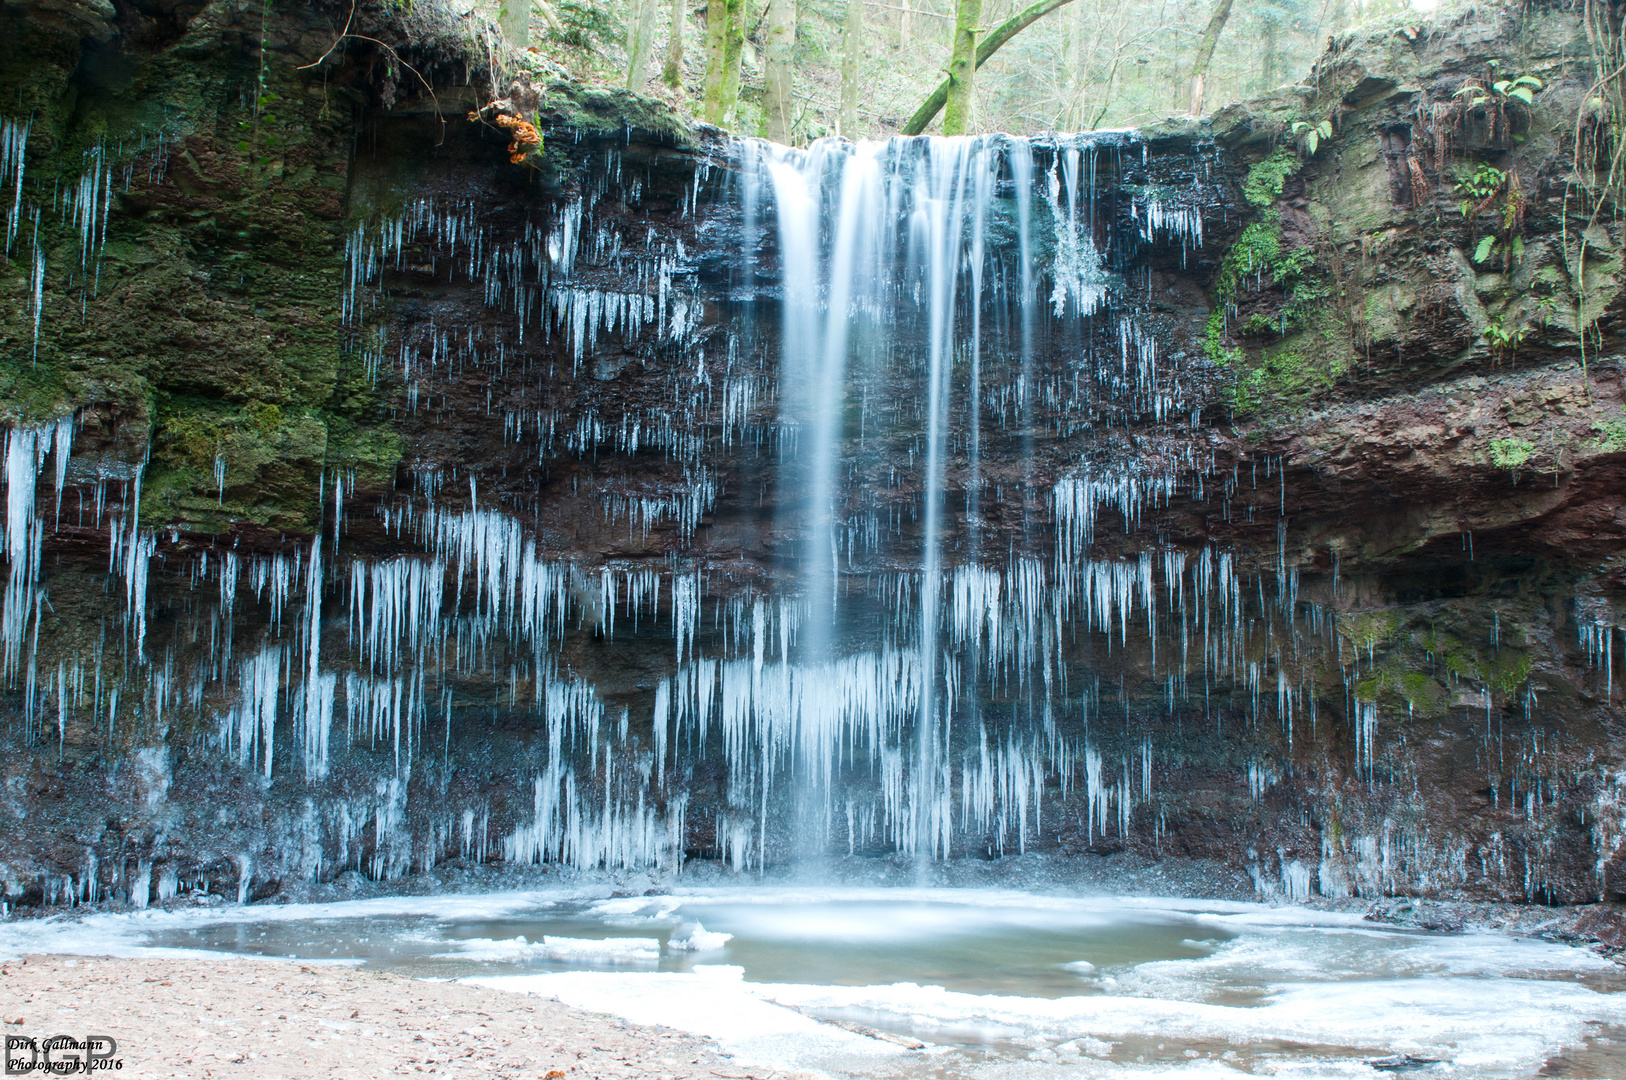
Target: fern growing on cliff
point(1611, 435)
point(1511, 453)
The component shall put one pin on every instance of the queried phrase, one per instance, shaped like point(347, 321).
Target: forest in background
point(796, 70)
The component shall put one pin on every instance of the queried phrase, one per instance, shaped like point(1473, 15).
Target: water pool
point(943, 982)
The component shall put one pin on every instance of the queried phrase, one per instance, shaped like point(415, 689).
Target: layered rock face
point(377, 504)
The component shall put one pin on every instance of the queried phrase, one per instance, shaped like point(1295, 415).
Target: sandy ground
point(250, 1018)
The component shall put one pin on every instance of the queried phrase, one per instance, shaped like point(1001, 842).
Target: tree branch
point(989, 45)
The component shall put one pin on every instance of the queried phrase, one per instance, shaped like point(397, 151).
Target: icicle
point(13, 163)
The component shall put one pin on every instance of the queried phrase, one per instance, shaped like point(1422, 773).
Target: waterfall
point(930, 368)
point(907, 224)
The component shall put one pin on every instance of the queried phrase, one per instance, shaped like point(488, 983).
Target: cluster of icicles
point(361, 661)
point(533, 274)
point(79, 210)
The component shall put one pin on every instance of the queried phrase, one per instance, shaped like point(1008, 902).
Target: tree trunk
point(777, 70)
point(1205, 53)
point(712, 107)
point(852, 50)
point(515, 19)
point(905, 14)
point(640, 36)
point(672, 72)
point(1270, 30)
point(962, 67)
point(990, 45)
point(1075, 82)
point(733, 46)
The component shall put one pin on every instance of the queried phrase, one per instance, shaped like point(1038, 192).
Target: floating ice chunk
point(1086, 1045)
point(698, 939)
point(714, 1001)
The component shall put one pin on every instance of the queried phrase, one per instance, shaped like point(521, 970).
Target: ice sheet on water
point(638, 951)
point(714, 1001)
point(1449, 1019)
point(623, 909)
point(603, 948)
point(1329, 981)
point(128, 931)
point(1284, 954)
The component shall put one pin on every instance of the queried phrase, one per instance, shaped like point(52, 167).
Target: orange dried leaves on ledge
point(509, 113)
point(526, 137)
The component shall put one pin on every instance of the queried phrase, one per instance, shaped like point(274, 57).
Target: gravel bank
point(189, 1018)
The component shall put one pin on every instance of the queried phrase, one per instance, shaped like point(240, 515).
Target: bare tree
point(1071, 76)
point(1103, 62)
point(640, 36)
point(962, 67)
point(672, 72)
point(852, 50)
point(990, 45)
point(1205, 53)
point(777, 70)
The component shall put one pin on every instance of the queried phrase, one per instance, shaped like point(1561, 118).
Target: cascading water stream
point(939, 194)
point(936, 226)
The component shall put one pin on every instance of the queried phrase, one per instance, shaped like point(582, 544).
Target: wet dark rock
point(1400, 1062)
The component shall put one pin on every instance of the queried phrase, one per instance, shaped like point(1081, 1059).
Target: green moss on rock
point(1267, 176)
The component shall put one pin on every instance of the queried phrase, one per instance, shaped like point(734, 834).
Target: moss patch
point(211, 306)
point(596, 111)
point(1287, 373)
point(1266, 178)
point(1511, 453)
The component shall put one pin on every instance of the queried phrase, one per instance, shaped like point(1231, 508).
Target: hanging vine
point(1597, 166)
